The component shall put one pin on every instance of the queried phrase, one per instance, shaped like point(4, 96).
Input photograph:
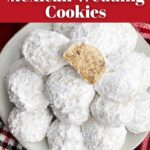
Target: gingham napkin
point(7, 141)
point(144, 29)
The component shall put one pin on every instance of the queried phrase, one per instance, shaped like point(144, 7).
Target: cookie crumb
point(87, 60)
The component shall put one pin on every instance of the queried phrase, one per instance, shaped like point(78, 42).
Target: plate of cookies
point(76, 86)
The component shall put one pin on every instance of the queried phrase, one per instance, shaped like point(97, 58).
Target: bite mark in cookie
point(87, 60)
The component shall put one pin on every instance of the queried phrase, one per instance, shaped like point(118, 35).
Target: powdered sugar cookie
point(26, 89)
point(68, 93)
point(110, 113)
point(98, 137)
point(62, 136)
point(67, 90)
point(29, 126)
point(44, 49)
point(141, 120)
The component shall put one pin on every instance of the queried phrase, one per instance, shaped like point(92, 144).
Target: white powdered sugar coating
point(98, 137)
point(82, 40)
point(109, 38)
point(141, 120)
point(44, 50)
point(63, 136)
point(123, 80)
point(26, 89)
point(21, 63)
point(78, 116)
point(139, 61)
point(125, 61)
point(29, 126)
point(66, 29)
point(110, 113)
point(69, 93)
point(17, 65)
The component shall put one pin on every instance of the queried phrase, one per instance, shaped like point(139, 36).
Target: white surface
point(11, 53)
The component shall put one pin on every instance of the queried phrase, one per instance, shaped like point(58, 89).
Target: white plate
point(11, 53)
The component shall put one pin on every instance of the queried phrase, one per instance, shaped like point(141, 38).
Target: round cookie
point(68, 93)
point(29, 126)
point(63, 136)
point(139, 60)
point(141, 120)
point(110, 113)
point(123, 80)
point(21, 63)
point(98, 137)
point(26, 89)
point(44, 49)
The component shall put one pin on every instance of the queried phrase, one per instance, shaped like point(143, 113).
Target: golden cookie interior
point(87, 60)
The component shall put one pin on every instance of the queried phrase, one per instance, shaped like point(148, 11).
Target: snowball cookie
point(124, 80)
point(29, 126)
point(141, 120)
point(98, 137)
point(78, 116)
point(68, 92)
point(26, 89)
point(110, 113)
point(16, 66)
point(109, 38)
point(126, 62)
point(62, 136)
point(66, 29)
point(44, 49)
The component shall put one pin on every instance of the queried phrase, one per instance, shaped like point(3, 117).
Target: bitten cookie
point(87, 60)
point(123, 80)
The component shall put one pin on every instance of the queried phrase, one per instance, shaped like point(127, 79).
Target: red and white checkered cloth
point(144, 29)
point(7, 141)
